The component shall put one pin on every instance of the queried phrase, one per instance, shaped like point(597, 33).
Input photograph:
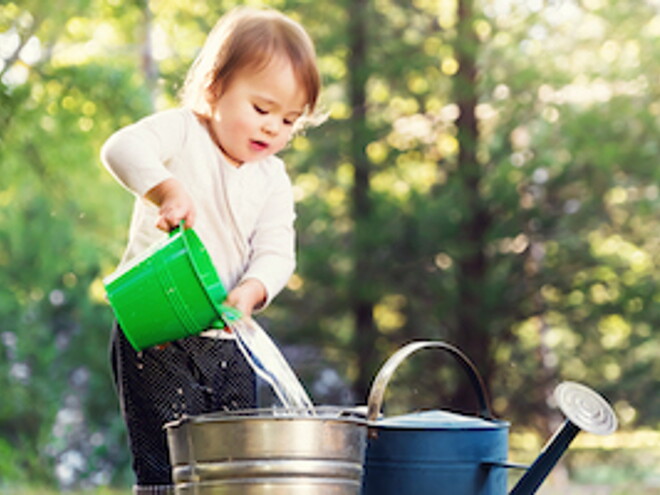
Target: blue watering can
point(441, 452)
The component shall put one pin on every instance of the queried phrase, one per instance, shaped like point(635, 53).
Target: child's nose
point(271, 126)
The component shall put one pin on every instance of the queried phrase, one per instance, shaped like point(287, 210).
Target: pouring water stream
point(268, 362)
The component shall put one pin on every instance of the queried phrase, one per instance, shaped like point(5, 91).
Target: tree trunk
point(147, 62)
point(472, 332)
point(361, 301)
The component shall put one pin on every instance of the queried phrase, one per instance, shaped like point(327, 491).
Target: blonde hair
point(248, 38)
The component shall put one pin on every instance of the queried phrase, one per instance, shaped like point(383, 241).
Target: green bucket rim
point(214, 290)
point(208, 278)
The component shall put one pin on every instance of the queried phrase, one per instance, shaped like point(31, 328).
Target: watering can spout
point(585, 410)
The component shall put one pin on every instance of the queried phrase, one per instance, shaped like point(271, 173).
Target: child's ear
point(213, 92)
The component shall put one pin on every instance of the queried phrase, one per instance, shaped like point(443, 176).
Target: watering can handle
point(382, 379)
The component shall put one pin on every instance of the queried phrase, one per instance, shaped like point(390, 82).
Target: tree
point(486, 176)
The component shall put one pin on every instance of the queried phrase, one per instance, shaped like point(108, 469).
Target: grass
point(555, 484)
point(50, 491)
point(552, 486)
point(621, 464)
point(626, 463)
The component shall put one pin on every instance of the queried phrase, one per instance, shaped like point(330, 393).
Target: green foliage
point(63, 227)
point(562, 214)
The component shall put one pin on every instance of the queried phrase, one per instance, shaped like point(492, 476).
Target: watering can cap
point(586, 408)
point(439, 420)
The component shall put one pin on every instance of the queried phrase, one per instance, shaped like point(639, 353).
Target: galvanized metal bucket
point(434, 452)
point(259, 452)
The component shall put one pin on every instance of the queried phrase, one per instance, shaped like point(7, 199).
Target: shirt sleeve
point(272, 244)
point(137, 155)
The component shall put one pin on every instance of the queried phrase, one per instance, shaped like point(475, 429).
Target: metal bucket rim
point(320, 413)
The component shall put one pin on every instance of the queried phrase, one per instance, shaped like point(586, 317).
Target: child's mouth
point(258, 145)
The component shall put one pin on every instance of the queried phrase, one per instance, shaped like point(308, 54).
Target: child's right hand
point(174, 202)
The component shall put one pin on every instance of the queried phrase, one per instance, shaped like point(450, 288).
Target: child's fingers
point(190, 218)
point(171, 217)
point(167, 224)
point(162, 224)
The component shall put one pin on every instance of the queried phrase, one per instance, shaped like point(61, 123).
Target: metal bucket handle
point(382, 379)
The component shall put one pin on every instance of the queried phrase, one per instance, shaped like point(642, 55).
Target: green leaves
point(544, 239)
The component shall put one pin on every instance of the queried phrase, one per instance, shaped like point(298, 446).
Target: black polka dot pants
point(191, 376)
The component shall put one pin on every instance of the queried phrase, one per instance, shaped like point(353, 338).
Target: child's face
point(255, 114)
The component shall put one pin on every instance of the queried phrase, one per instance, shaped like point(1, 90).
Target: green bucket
point(169, 292)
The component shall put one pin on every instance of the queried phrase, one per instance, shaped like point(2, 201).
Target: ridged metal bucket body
point(436, 452)
point(258, 453)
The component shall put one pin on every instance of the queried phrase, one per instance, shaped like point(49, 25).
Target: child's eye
point(289, 122)
point(259, 110)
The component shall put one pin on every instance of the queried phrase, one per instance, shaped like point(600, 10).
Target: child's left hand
point(247, 296)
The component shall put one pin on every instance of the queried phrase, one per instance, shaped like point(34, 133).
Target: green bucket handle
point(226, 314)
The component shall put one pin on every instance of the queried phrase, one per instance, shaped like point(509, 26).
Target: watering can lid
point(439, 420)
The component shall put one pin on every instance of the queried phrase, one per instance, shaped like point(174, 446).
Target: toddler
point(211, 164)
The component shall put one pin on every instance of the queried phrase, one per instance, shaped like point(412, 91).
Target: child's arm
point(174, 203)
point(137, 155)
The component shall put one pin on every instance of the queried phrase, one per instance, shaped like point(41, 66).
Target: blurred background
point(487, 176)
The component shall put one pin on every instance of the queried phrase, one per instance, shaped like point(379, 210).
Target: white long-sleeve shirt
point(245, 214)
